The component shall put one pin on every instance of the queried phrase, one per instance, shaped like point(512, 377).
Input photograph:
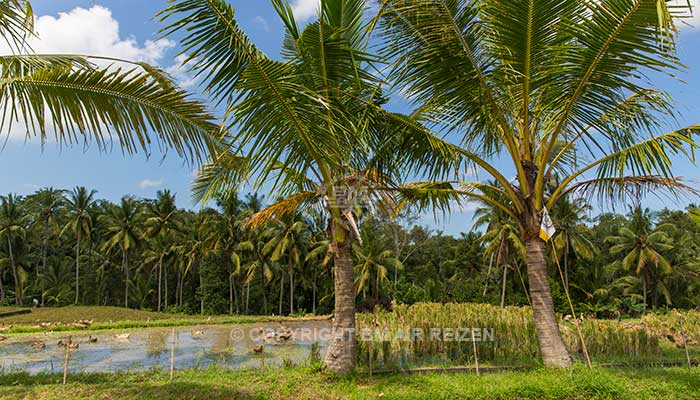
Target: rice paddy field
point(506, 337)
point(100, 318)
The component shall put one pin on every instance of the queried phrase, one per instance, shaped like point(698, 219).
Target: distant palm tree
point(12, 225)
point(373, 262)
point(47, 202)
point(502, 235)
point(572, 236)
point(122, 230)
point(287, 239)
point(79, 203)
point(194, 245)
point(157, 252)
point(227, 231)
point(259, 264)
point(162, 220)
point(643, 248)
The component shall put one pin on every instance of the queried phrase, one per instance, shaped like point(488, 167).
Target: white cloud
point(305, 9)
point(92, 31)
point(262, 22)
point(150, 184)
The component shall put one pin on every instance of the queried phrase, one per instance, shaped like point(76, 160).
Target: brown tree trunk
point(43, 270)
point(125, 264)
point(552, 347)
point(503, 289)
point(2, 290)
point(291, 287)
point(342, 347)
point(230, 295)
point(160, 280)
point(77, 270)
point(18, 289)
point(281, 293)
point(313, 295)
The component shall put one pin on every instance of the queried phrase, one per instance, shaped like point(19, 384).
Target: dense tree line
point(69, 247)
point(550, 91)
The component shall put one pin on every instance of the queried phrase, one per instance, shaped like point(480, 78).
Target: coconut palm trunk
point(281, 293)
point(160, 280)
point(313, 295)
point(291, 287)
point(554, 352)
point(503, 288)
point(125, 265)
point(247, 297)
point(232, 295)
point(18, 289)
point(43, 270)
point(77, 270)
point(2, 290)
point(341, 348)
point(166, 289)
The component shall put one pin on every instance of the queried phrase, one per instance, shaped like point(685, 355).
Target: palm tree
point(161, 221)
point(157, 253)
point(572, 237)
point(79, 203)
point(48, 202)
point(195, 244)
point(227, 231)
point(373, 263)
point(501, 236)
point(547, 87)
point(643, 248)
point(12, 225)
point(287, 238)
point(74, 98)
point(310, 127)
point(259, 264)
point(122, 230)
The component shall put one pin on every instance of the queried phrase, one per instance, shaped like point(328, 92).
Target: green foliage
point(213, 291)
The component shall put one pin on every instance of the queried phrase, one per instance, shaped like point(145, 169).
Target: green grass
point(301, 383)
point(115, 318)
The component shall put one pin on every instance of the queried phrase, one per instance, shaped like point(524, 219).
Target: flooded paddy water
point(140, 349)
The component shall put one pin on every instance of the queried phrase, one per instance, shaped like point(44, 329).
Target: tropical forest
point(401, 199)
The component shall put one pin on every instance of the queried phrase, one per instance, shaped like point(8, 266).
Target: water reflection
point(224, 345)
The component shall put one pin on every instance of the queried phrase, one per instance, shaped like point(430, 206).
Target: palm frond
point(649, 158)
point(16, 23)
point(280, 209)
point(215, 47)
point(632, 188)
point(75, 101)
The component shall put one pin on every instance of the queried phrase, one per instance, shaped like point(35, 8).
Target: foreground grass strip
point(302, 383)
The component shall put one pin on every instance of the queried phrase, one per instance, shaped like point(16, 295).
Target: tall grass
point(514, 336)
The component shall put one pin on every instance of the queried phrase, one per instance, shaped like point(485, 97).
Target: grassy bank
point(301, 383)
point(64, 318)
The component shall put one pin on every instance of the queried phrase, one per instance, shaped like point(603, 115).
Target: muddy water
point(230, 346)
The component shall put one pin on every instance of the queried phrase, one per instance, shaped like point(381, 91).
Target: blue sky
point(126, 29)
